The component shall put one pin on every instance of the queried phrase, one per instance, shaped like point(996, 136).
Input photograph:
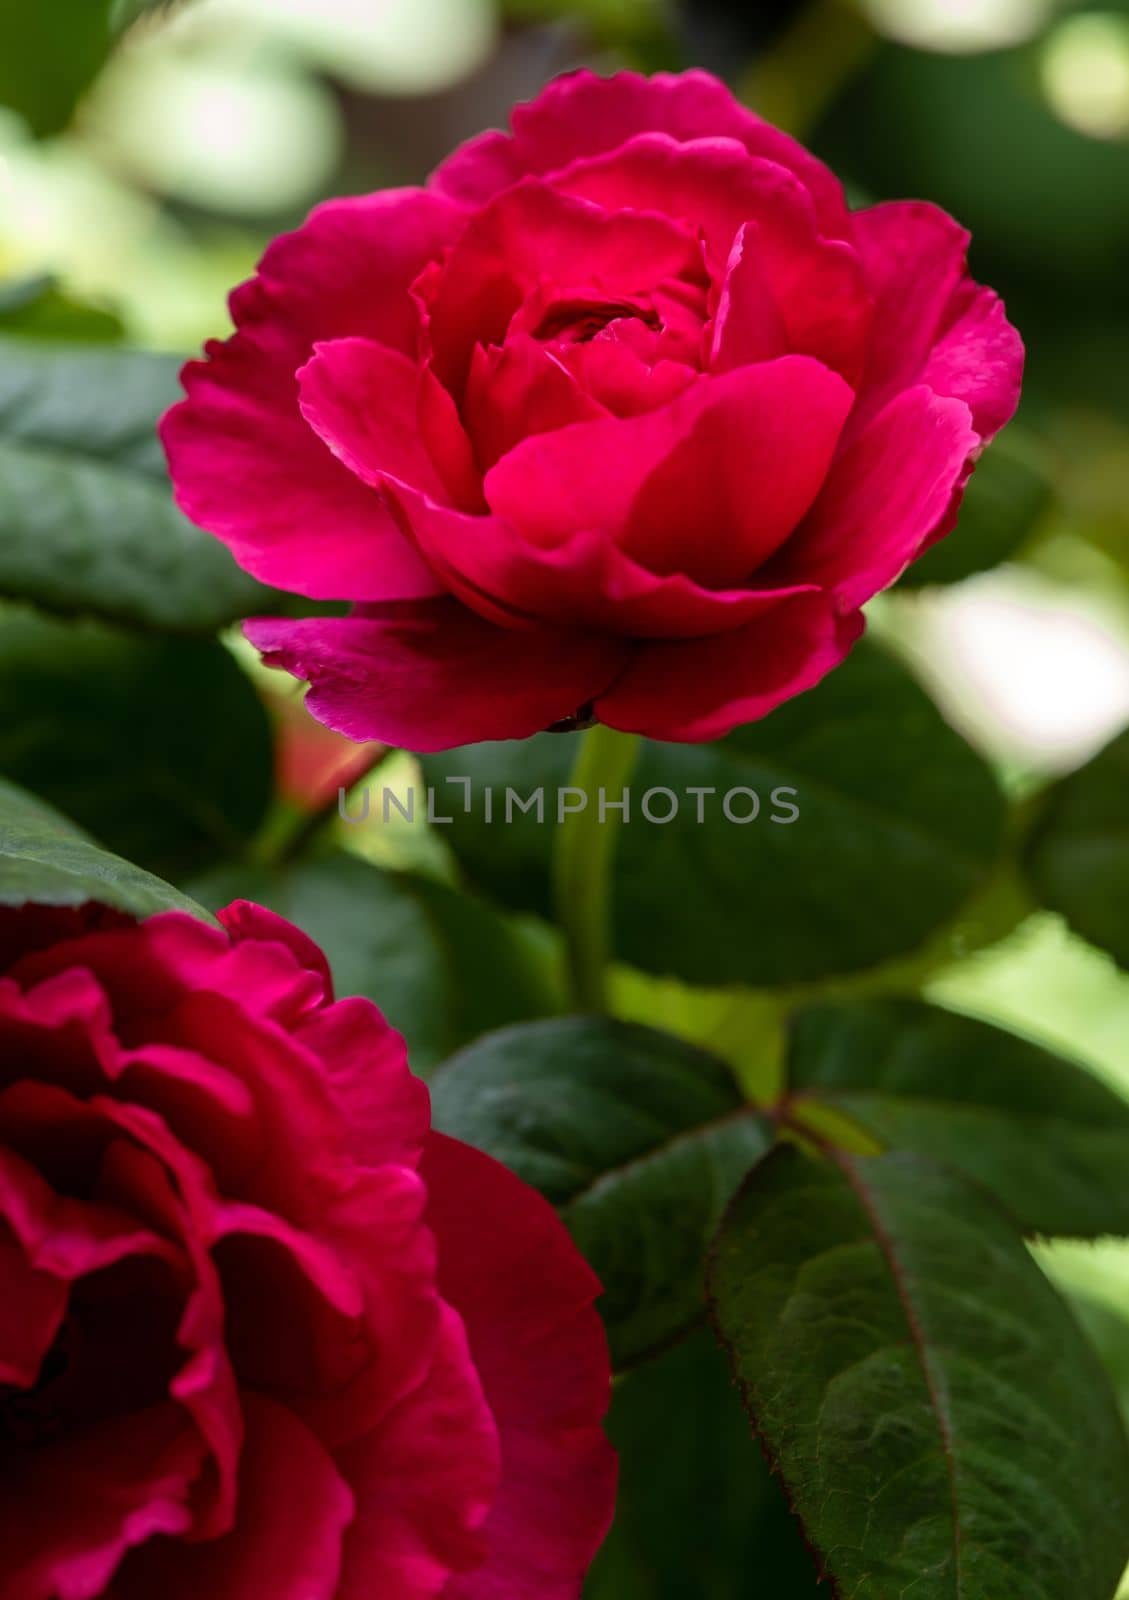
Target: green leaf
point(45, 858)
point(942, 1427)
point(899, 824)
point(35, 308)
point(87, 523)
point(1107, 1329)
point(52, 53)
point(1006, 497)
point(640, 1139)
point(442, 966)
point(158, 746)
point(1079, 859)
point(1048, 1138)
point(698, 1513)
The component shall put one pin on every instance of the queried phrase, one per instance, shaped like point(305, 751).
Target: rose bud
point(262, 1332)
point(625, 415)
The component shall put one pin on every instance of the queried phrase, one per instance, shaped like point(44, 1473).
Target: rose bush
point(261, 1332)
point(625, 415)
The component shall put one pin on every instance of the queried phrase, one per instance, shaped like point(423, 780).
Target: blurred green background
point(148, 153)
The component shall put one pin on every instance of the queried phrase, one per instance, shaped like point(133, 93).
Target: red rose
point(625, 414)
point(263, 1336)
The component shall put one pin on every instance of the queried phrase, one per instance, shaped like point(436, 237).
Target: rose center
point(580, 321)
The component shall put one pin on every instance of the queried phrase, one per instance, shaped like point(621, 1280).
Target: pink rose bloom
point(624, 416)
point(263, 1335)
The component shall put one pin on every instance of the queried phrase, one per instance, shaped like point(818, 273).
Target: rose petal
point(361, 399)
point(978, 359)
point(247, 923)
point(884, 498)
point(365, 1062)
point(54, 1023)
point(586, 582)
point(435, 675)
point(518, 390)
point(176, 955)
point(526, 1296)
point(68, 1238)
point(583, 114)
point(31, 1312)
point(294, 1510)
point(818, 283)
point(531, 236)
point(247, 467)
point(244, 464)
point(699, 689)
point(31, 927)
point(707, 486)
point(70, 1512)
point(424, 1482)
point(348, 270)
point(734, 487)
point(748, 325)
point(932, 324)
point(621, 380)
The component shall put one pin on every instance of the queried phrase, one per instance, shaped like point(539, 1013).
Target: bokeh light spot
point(959, 26)
point(1085, 73)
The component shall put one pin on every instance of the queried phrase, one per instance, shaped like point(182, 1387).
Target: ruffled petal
point(247, 923)
point(818, 283)
point(348, 271)
point(435, 675)
point(365, 1063)
point(70, 1512)
point(533, 236)
point(583, 114)
point(294, 1510)
point(978, 359)
point(710, 185)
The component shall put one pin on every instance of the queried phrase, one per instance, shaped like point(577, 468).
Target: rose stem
point(582, 860)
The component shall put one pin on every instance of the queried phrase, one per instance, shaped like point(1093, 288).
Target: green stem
point(582, 861)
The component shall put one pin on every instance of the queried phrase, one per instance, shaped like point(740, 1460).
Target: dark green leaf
point(52, 51)
point(639, 1138)
point(159, 747)
point(943, 1428)
point(442, 967)
point(1108, 1331)
point(44, 857)
point(1004, 501)
point(1046, 1136)
point(899, 824)
point(698, 1513)
point(1080, 854)
point(87, 523)
point(35, 308)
